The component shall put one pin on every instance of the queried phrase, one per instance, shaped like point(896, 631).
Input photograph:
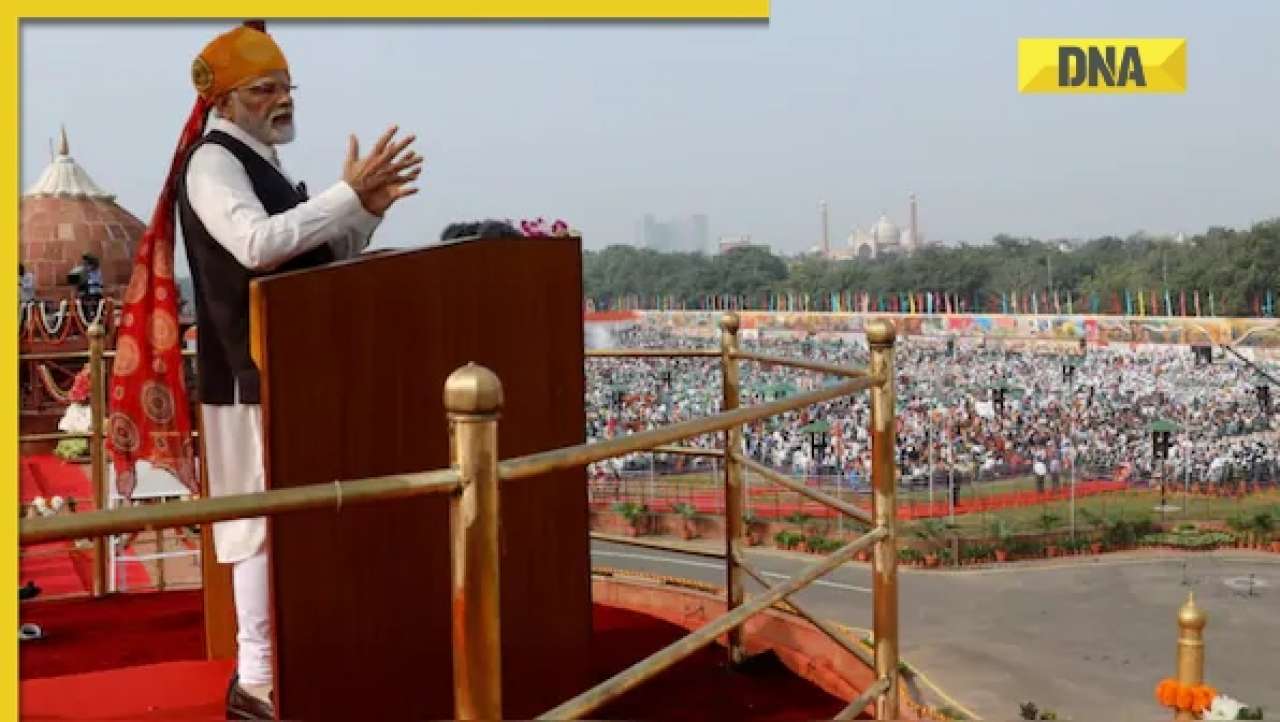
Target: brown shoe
point(242, 705)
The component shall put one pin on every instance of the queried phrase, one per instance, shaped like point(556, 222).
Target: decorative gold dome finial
point(64, 148)
point(1191, 616)
point(880, 332)
point(472, 389)
point(729, 322)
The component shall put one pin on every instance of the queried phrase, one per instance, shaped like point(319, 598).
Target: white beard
point(282, 134)
point(266, 132)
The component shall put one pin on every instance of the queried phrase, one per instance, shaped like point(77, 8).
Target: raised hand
point(384, 176)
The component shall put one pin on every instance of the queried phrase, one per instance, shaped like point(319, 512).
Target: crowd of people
point(968, 410)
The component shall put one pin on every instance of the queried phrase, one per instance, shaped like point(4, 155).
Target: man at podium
point(243, 217)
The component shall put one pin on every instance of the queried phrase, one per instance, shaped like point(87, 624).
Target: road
point(1087, 639)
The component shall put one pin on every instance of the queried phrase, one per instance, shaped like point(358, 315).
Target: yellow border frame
point(237, 9)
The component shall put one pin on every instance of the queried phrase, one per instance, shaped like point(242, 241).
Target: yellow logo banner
point(1102, 65)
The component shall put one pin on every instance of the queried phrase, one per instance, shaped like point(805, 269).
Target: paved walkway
point(1087, 637)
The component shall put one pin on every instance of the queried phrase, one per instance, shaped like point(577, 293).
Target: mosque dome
point(65, 215)
point(885, 232)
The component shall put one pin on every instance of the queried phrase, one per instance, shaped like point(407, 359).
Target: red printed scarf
point(147, 397)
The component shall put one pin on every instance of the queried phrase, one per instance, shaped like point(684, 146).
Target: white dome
point(885, 232)
point(64, 178)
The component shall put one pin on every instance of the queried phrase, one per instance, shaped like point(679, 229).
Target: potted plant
point(787, 539)
point(1096, 524)
point(1263, 526)
point(1121, 534)
point(755, 529)
point(907, 555)
point(1240, 526)
point(800, 519)
point(1001, 534)
point(814, 544)
point(818, 544)
point(933, 532)
point(1048, 521)
point(636, 515)
point(1026, 549)
point(944, 556)
point(688, 520)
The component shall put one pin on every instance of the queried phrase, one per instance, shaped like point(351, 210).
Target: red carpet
point(171, 691)
point(162, 630)
point(58, 568)
point(90, 635)
point(50, 566)
point(48, 476)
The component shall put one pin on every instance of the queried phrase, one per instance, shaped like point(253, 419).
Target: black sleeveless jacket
point(222, 284)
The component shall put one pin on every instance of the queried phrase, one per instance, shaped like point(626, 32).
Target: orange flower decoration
point(1203, 698)
point(1167, 692)
point(1197, 698)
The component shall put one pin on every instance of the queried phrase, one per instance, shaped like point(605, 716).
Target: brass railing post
point(1191, 621)
point(884, 565)
point(97, 460)
point(732, 482)
point(472, 398)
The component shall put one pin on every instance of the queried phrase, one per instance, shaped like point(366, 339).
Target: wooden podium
point(354, 358)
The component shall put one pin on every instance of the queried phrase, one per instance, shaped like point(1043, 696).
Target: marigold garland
point(1196, 697)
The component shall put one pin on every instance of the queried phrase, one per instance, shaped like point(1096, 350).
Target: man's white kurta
point(222, 196)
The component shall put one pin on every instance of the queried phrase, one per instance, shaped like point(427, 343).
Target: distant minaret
point(915, 229)
point(826, 238)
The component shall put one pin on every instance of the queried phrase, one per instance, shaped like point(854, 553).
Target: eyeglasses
point(269, 89)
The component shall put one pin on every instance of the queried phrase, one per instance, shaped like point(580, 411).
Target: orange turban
point(233, 58)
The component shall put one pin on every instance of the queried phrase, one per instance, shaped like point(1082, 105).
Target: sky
point(753, 124)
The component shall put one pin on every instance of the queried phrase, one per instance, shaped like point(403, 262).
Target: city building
point(730, 243)
point(687, 233)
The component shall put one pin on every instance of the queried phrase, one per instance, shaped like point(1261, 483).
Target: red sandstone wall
point(805, 650)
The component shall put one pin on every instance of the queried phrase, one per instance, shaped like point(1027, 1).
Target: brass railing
point(472, 399)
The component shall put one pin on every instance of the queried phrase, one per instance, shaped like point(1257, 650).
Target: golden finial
point(1191, 616)
point(472, 389)
point(729, 322)
point(64, 148)
point(880, 332)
